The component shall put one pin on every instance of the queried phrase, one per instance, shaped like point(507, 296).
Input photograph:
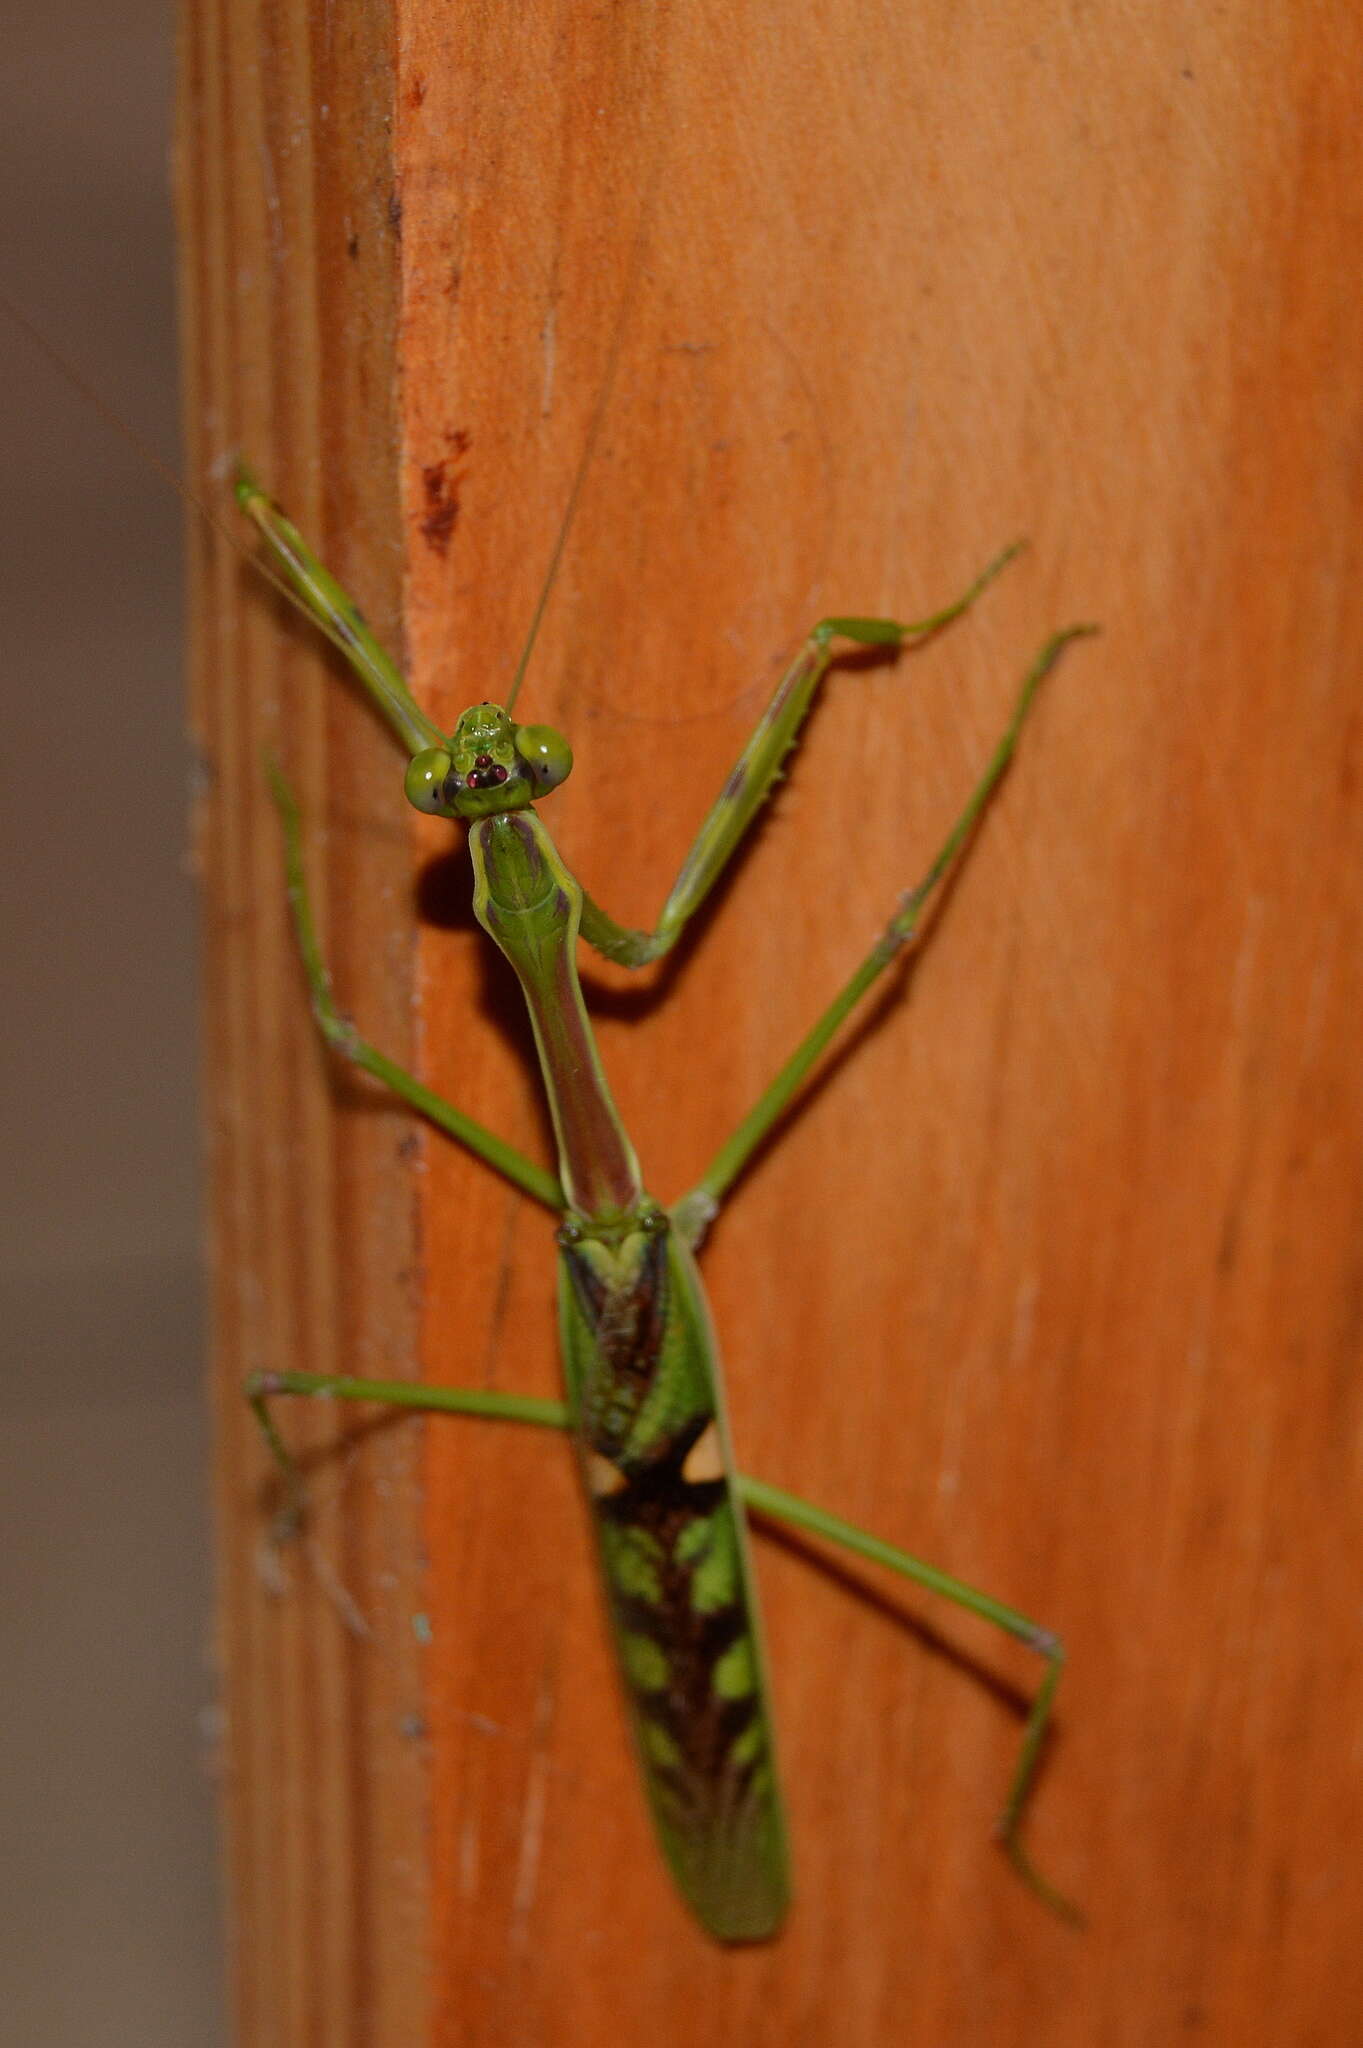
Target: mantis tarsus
point(643, 1398)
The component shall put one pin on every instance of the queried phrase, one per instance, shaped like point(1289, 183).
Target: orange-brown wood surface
point(1057, 1278)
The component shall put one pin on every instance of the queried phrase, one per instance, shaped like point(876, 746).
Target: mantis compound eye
point(546, 754)
point(425, 777)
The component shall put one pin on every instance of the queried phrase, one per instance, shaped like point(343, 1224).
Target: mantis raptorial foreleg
point(750, 782)
point(698, 1208)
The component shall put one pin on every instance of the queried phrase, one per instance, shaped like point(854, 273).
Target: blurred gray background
point(109, 1917)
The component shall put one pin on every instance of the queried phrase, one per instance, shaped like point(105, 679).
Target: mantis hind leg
point(412, 1395)
point(801, 1514)
point(771, 1501)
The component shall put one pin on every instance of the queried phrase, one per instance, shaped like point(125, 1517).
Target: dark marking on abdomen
point(692, 1635)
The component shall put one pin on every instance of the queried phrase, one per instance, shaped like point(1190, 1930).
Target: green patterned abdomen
point(639, 1359)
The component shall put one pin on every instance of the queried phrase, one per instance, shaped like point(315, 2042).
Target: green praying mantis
point(644, 1404)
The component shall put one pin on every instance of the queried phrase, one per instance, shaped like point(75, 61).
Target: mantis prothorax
point(644, 1405)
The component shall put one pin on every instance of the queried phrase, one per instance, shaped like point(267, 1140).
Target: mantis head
point(489, 764)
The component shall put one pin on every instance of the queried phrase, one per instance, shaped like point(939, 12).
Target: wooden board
point(1057, 1277)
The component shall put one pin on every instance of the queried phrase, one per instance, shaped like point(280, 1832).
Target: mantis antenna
point(585, 459)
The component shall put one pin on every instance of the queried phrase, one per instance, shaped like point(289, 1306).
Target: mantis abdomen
point(644, 1393)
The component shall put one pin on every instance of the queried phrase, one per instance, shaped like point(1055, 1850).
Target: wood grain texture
point(1058, 1277)
point(289, 276)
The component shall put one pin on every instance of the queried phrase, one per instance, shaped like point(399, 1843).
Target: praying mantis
point(644, 1404)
